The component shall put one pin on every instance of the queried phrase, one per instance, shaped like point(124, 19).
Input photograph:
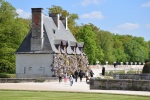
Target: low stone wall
point(120, 84)
point(19, 80)
point(132, 76)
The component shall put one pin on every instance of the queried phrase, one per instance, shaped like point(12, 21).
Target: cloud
point(89, 2)
point(148, 26)
point(128, 26)
point(147, 4)
point(23, 14)
point(93, 15)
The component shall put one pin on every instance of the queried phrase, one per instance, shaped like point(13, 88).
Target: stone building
point(49, 48)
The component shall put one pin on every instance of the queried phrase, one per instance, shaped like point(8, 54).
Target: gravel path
point(56, 86)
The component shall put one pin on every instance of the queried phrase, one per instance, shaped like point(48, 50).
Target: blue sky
point(117, 16)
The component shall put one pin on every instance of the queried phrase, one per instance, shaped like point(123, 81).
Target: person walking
point(86, 75)
point(91, 73)
point(71, 80)
point(76, 75)
point(65, 77)
point(81, 75)
point(60, 78)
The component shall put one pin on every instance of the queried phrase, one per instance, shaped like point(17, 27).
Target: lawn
point(43, 95)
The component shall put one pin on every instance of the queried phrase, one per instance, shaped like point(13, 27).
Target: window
point(54, 31)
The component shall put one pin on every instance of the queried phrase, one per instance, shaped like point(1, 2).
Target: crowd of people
point(77, 74)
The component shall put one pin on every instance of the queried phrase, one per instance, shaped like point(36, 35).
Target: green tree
point(86, 35)
point(13, 30)
point(136, 49)
point(118, 49)
point(149, 51)
point(105, 40)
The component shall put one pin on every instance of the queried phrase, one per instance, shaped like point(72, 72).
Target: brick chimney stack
point(37, 29)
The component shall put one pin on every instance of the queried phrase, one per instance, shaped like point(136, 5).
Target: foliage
point(146, 68)
point(86, 35)
point(3, 75)
point(105, 40)
point(13, 30)
point(43, 95)
point(133, 72)
point(148, 50)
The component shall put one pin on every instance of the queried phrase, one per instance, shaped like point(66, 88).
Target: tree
point(136, 49)
point(118, 49)
point(106, 43)
point(86, 35)
point(13, 30)
point(149, 50)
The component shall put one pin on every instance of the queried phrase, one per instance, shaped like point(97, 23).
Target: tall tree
point(13, 30)
point(86, 35)
point(149, 51)
point(118, 49)
point(136, 49)
point(105, 39)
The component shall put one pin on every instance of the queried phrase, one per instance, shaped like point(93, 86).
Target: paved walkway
point(56, 86)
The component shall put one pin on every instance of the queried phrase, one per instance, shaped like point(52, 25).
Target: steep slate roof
point(52, 36)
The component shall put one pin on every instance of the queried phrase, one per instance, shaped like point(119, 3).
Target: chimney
point(64, 21)
point(55, 17)
point(37, 29)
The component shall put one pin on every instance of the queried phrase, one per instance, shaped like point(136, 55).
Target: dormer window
point(73, 46)
point(81, 49)
point(54, 31)
point(58, 45)
point(80, 46)
point(64, 46)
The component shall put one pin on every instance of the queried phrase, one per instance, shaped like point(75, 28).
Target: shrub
point(40, 80)
point(3, 75)
point(146, 68)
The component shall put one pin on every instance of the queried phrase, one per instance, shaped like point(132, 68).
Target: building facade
point(49, 49)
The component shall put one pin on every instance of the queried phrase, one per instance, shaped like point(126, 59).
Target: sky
point(122, 17)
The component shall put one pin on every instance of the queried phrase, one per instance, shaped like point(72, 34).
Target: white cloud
point(92, 15)
point(148, 26)
point(23, 14)
point(89, 2)
point(147, 4)
point(128, 26)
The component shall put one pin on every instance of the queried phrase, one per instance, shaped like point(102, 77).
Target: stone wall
point(33, 65)
point(132, 76)
point(20, 80)
point(119, 84)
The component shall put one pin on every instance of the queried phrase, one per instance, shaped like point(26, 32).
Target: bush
point(3, 75)
point(146, 68)
point(40, 80)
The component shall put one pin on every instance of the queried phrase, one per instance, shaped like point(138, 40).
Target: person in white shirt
point(71, 80)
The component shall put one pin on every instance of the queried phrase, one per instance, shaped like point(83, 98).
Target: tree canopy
point(12, 32)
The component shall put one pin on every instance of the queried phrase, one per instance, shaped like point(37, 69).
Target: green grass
point(42, 95)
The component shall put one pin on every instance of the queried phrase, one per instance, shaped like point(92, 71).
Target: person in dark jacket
point(76, 75)
point(91, 73)
point(81, 75)
point(60, 78)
